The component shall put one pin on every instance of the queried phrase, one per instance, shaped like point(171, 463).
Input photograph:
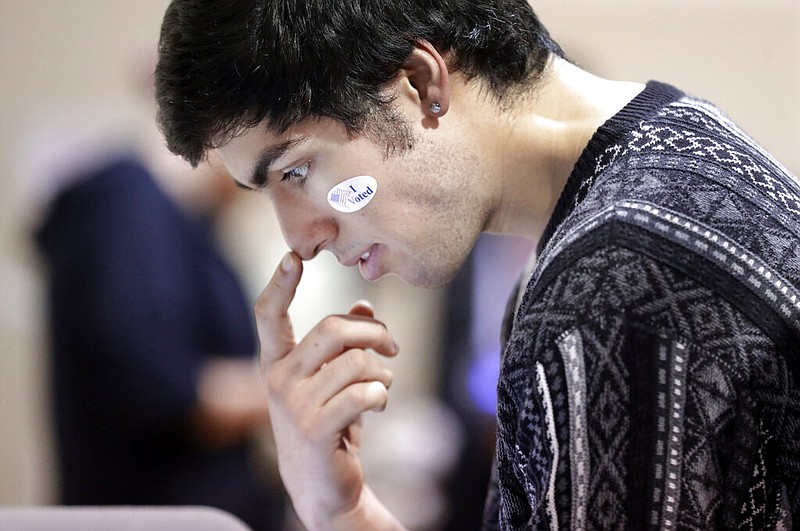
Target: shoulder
point(737, 236)
point(624, 279)
point(691, 149)
point(635, 251)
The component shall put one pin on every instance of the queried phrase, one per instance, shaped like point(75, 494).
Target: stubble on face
point(444, 204)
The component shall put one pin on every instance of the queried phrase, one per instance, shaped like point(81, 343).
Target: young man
point(650, 376)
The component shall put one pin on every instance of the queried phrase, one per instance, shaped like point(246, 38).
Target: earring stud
point(436, 107)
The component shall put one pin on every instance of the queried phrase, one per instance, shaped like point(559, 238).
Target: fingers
point(274, 326)
point(336, 334)
point(344, 408)
point(355, 365)
point(317, 389)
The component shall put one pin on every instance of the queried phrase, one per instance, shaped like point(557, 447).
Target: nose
point(306, 234)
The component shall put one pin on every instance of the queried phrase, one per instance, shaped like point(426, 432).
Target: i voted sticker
point(353, 194)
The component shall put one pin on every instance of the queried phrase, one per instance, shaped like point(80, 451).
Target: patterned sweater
point(650, 373)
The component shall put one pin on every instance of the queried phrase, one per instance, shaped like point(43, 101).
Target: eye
point(298, 173)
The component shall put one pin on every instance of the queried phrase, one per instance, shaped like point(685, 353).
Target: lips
point(355, 260)
point(368, 264)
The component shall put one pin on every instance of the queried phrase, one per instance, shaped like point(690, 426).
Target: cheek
point(421, 179)
point(291, 197)
point(284, 213)
point(411, 197)
point(290, 208)
point(301, 209)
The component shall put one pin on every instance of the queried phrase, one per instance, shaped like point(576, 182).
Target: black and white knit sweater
point(650, 376)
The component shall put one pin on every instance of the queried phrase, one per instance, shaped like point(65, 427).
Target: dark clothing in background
point(139, 299)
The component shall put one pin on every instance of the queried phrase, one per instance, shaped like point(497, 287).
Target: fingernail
point(377, 391)
point(287, 263)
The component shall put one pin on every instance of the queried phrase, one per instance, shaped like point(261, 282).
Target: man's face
point(428, 208)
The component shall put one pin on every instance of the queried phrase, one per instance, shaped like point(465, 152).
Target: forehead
point(242, 153)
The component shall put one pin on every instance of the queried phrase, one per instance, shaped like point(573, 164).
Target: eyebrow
point(259, 177)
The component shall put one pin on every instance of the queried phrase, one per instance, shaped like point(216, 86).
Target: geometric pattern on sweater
point(664, 450)
point(664, 316)
point(745, 266)
point(712, 137)
point(720, 178)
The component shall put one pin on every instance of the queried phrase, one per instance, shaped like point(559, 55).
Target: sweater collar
point(648, 102)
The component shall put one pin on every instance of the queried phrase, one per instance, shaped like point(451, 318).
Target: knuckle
point(359, 362)
point(388, 338)
point(330, 325)
point(261, 308)
point(358, 396)
point(366, 395)
point(383, 336)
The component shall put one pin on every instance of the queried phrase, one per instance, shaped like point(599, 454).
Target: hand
point(230, 402)
point(317, 390)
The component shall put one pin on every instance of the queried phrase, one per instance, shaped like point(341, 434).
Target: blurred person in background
point(156, 393)
point(649, 377)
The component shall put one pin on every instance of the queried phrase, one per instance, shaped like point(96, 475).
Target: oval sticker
point(353, 194)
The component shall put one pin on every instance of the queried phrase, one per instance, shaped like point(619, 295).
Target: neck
point(537, 145)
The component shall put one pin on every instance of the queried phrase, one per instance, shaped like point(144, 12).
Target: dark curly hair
point(226, 65)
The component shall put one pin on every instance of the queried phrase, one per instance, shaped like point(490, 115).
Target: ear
point(428, 80)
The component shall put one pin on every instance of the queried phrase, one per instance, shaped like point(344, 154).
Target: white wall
point(742, 55)
point(63, 54)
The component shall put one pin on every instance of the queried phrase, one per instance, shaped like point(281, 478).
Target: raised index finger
point(274, 326)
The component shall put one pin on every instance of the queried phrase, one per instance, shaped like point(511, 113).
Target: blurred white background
point(69, 65)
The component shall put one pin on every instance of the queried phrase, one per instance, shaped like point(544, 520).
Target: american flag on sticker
point(340, 195)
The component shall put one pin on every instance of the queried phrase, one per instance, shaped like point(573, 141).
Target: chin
point(428, 279)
